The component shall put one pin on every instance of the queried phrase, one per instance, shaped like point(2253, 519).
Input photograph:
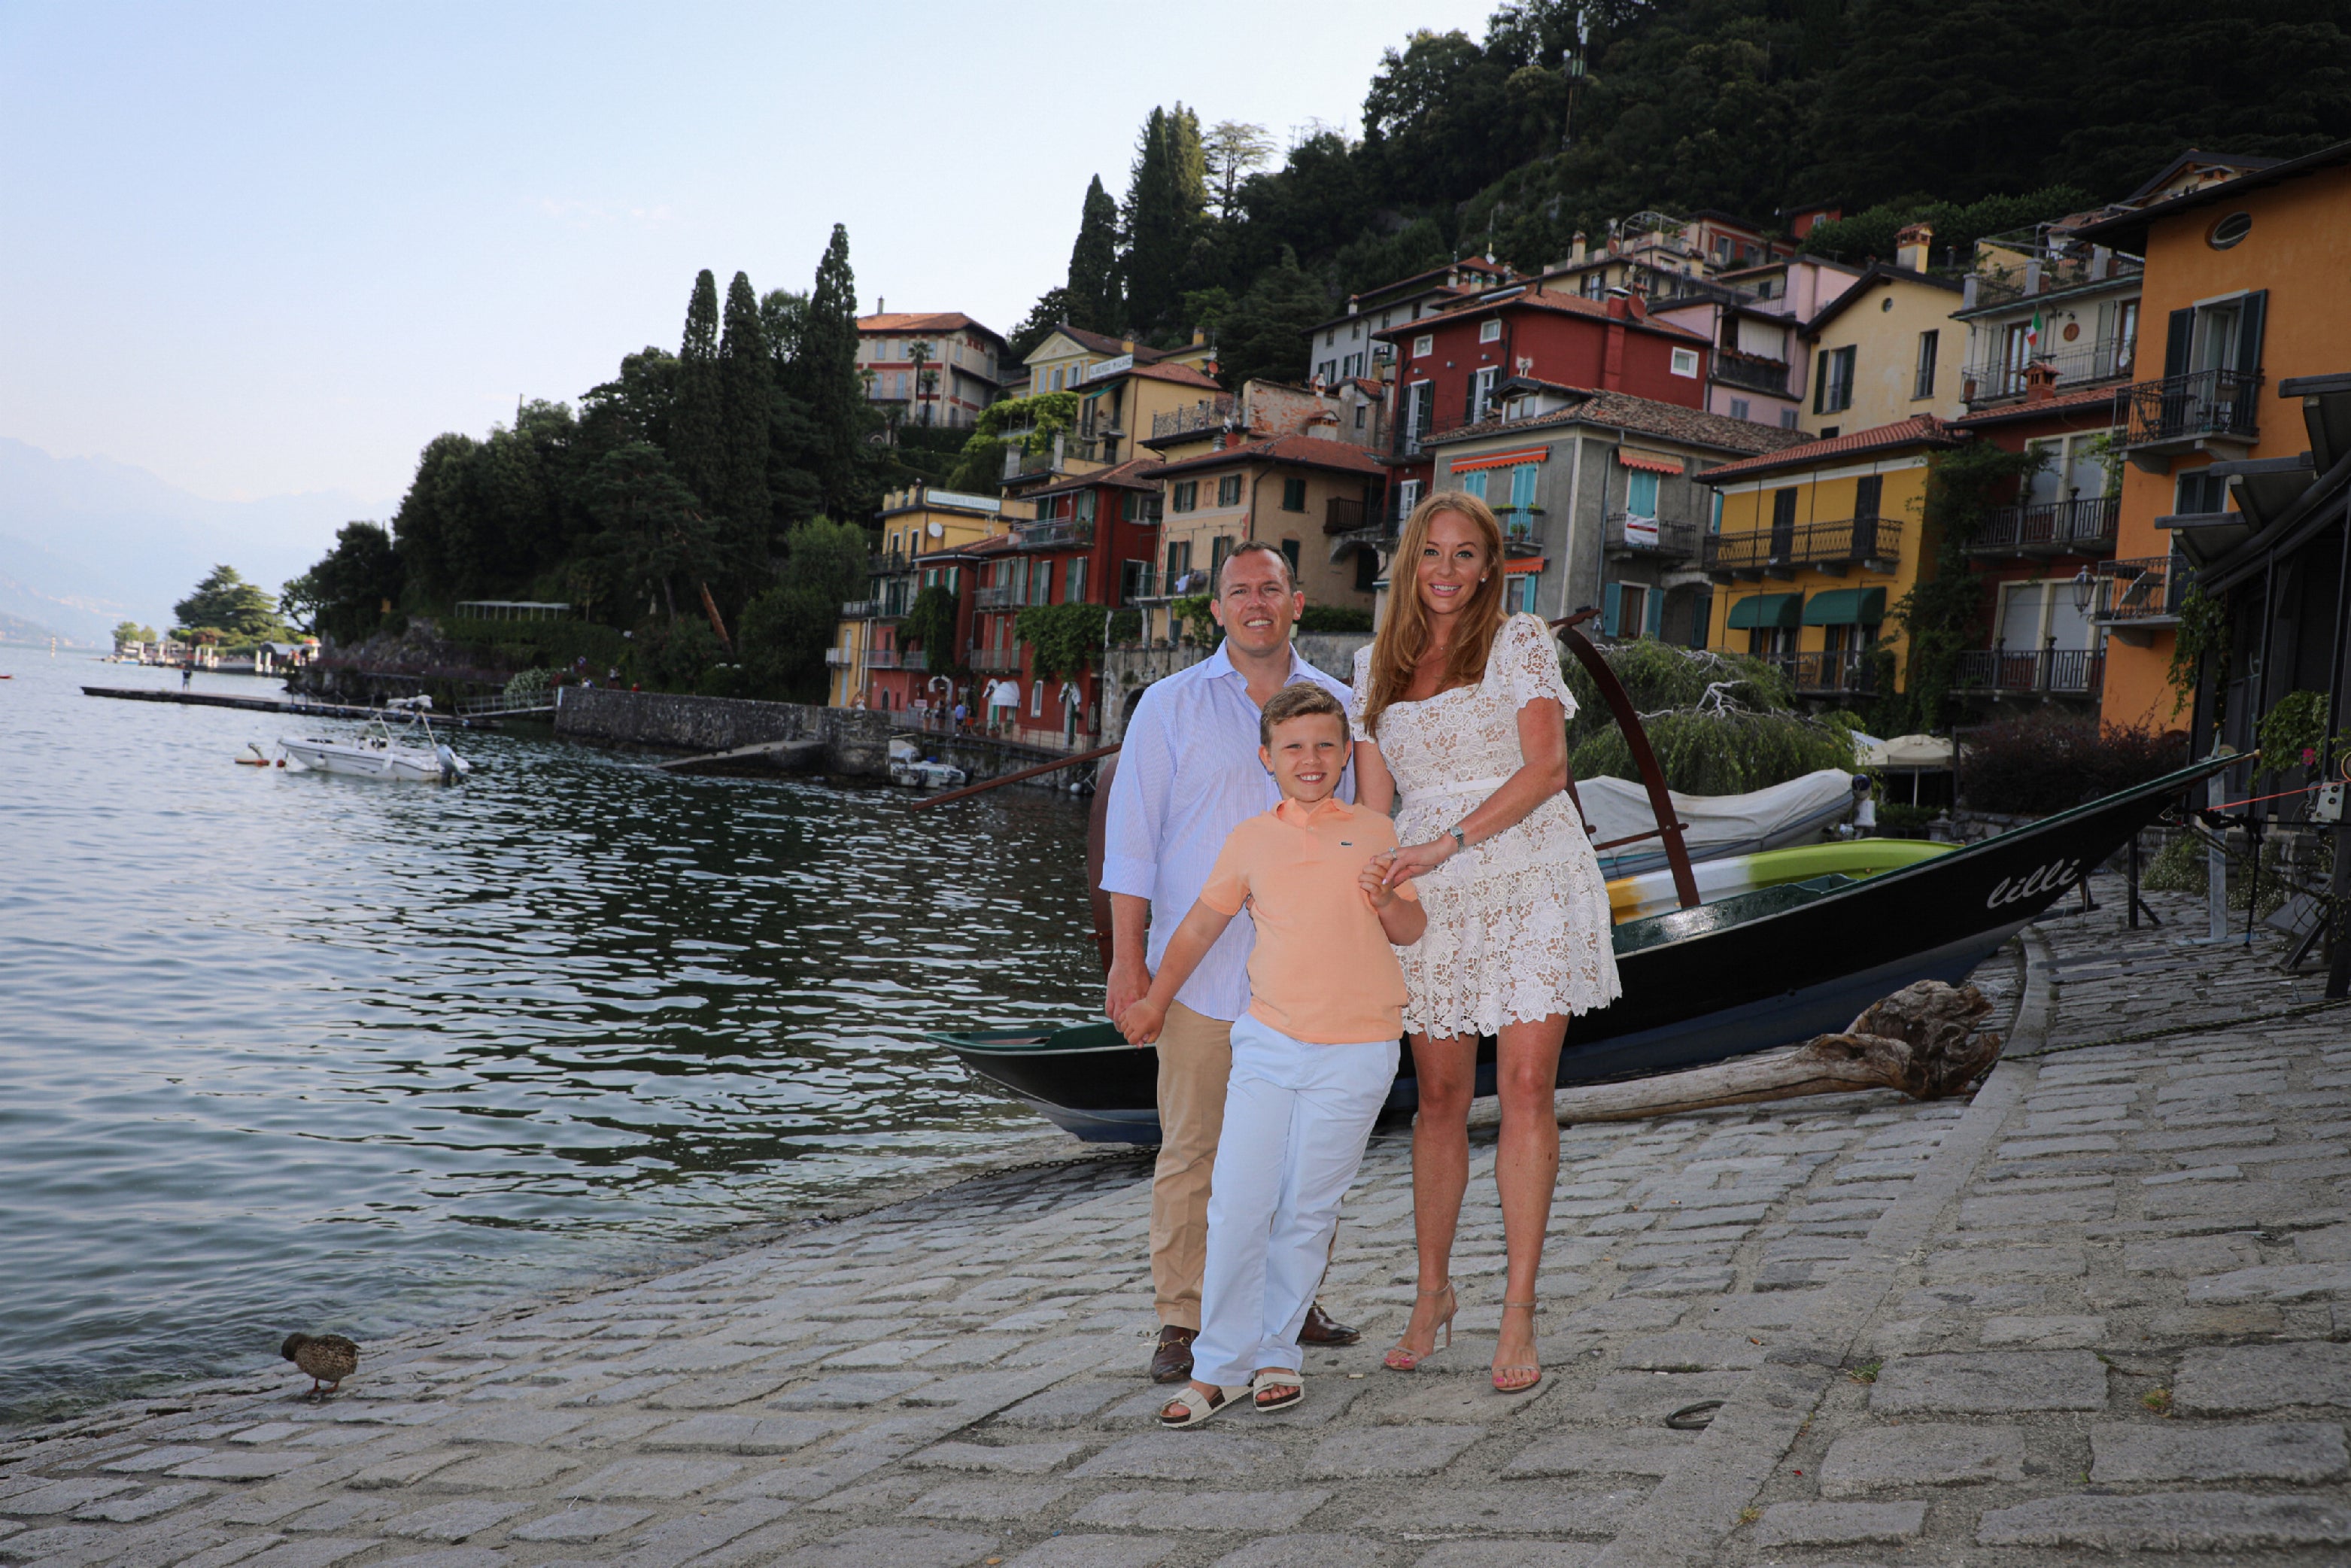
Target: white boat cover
point(1717, 824)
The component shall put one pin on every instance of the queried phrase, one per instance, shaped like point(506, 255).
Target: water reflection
point(285, 1049)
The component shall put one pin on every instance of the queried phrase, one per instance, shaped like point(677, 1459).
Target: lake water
point(283, 1051)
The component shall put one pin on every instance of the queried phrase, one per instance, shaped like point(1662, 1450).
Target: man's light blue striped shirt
point(1188, 774)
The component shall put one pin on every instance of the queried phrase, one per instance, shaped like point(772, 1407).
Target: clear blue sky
point(265, 249)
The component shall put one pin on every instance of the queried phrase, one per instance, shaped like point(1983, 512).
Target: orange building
point(2244, 289)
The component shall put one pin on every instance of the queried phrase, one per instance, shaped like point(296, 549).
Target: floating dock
point(296, 709)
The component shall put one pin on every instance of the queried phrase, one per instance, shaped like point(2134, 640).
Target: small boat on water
point(411, 755)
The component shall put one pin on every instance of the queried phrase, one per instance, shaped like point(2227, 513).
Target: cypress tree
point(1093, 292)
point(1166, 208)
point(747, 393)
point(697, 445)
point(824, 374)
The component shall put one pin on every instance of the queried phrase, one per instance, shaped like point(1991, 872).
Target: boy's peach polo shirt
point(1322, 970)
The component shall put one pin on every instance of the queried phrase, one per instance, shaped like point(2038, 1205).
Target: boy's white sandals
point(1276, 1390)
point(1197, 1407)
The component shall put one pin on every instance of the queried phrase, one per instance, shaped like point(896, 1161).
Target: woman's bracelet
point(1460, 839)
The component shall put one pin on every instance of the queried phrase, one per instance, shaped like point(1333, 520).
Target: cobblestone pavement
point(2098, 1311)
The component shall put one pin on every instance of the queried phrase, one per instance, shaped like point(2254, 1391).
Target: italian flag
point(2032, 334)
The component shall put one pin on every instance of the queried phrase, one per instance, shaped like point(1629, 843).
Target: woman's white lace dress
point(1518, 925)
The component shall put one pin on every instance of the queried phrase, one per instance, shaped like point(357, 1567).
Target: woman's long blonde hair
point(1404, 636)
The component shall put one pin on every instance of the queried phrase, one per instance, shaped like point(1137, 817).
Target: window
point(1085, 499)
point(2015, 353)
point(1073, 583)
point(1179, 561)
point(1057, 378)
point(2198, 492)
point(1229, 490)
point(1424, 345)
point(1035, 699)
point(1367, 570)
point(1594, 285)
point(1359, 414)
point(1040, 586)
point(1218, 549)
point(1289, 548)
point(1482, 391)
point(1739, 408)
point(1490, 329)
point(1522, 486)
point(1186, 496)
point(1473, 482)
point(1787, 419)
point(2230, 230)
point(1929, 345)
point(1017, 578)
point(1833, 389)
point(1407, 497)
point(1419, 410)
point(1519, 592)
point(1293, 494)
point(1331, 337)
point(1685, 361)
point(1130, 506)
point(1641, 493)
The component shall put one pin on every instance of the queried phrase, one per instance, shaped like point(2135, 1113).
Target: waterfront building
point(920, 530)
point(1755, 317)
point(1815, 544)
point(2228, 496)
point(1346, 348)
point(930, 368)
point(1882, 349)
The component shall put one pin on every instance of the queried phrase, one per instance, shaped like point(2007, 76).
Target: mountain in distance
point(17, 631)
point(86, 542)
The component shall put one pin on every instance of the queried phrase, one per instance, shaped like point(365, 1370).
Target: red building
point(1448, 365)
point(1092, 542)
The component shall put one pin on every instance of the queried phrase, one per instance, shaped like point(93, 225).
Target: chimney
point(1351, 303)
point(2040, 381)
point(1576, 249)
point(1200, 336)
point(2032, 276)
point(1913, 246)
point(881, 305)
point(1127, 344)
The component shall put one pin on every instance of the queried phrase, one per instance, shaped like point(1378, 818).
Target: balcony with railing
point(1875, 543)
point(2082, 526)
point(2182, 414)
point(880, 563)
point(1344, 514)
point(2143, 593)
point(838, 657)
point(996, 661)
point(1139, 584)
point(896, 659)
point(1627, 534)
point(1851, 672)
point(1521, 529)
point(860, 609)
point(1003, 596)
point(2001, 377)
point(1058, 531)
point(1208, 414)
point(1752, 371)
point(2042, 672)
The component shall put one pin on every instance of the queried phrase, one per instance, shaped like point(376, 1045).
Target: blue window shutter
point(1608, 609)
point(1657, 612)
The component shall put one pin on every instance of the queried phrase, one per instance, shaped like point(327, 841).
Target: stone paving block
point(267, 1432)
point(512, 1469)
point(2251, 1200)
point(716, 1392)
point(627, 1391)
point(1525, 1508)
point(1508, 1554)
point(695, 1356)
point(2278, 1282)
point(253, 1467)
point(1680, 1282)
point(881, 1354)
point(341, 1513)
point(405, 1469)
point(448, 1557)
point(988, 1500)
point(886, 1547)
point(2025, 1211)
point(315, 1554)
point(1900, 1459)
point(1625, 1452)
point(2169, 1521)
point(1643, 1398)
point(1693, 1352)
point(1064, 1404)
point(455, 1520)
point(1991, 1382)
point(1389, 1451)
point(1094, 1551)
point(592, 1523)
point(1009, 1458)
point(1182, 1456)
point(2047, 1148)
point(1305, 1551)
point(2303, 1452)
point(727, 1433)
point(1754, 1314)
point(2003, 1264)
point(849, 1391)
point(65, 1496)
point(2046, 1332)
point(652, 1478)
point(2216, 1325)
point(1839, 1523)
point(1188, 1509)
point(2189, 1255)
point(150, 1504)
point(2329, 1245)
point(2242, 1379)
point(146, 1459)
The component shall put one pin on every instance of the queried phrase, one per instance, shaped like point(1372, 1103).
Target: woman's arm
point(1542, 743)
point(1374, 785)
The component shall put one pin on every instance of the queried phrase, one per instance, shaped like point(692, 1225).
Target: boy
point(1312, 1057)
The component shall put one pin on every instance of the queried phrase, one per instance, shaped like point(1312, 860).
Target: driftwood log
point(1922, 1039)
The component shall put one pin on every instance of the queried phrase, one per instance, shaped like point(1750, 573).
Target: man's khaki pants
point(1196, 1057)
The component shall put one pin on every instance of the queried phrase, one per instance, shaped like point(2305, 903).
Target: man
point(1188, 773)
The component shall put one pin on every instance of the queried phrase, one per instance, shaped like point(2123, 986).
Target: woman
point(1462, 708)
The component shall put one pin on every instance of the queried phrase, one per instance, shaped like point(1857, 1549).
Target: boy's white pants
point(1296, 1119)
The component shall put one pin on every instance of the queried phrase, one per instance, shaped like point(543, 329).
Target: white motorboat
point(411, 755)
point(908, 765)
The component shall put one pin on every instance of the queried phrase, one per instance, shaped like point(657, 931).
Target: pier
point(295, 708)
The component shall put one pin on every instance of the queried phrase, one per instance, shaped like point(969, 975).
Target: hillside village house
point(1121, 401)
point(1755, 317)
point(1597, 496)
point(1344, 347)
point(1883, 349)
point(1816, 543)
point(2229, 441)
point(921, 530)
point(1303, 493)
point(937, 368)
point(1656, 253)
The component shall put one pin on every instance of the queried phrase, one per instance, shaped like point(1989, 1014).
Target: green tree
point(786, 629)
point(1264, 332)
point(1094, 299)
point(1165, 211)
point(240, 611)
point(1232, 150)
point(930, 625)
point(826, 380)
point(698, 440)
point(1941, 614)
point(655, 537)
point(747, 405)
point(346, 595)
point(980, 468)
point(129, 631)
point(1052, 309)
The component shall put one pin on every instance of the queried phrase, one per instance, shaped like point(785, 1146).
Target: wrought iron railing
point(1059, 531)
point(2182, 408)
point(996, 661)
point(884, 561)
point(2084, 524)
point(1806, 544)
point(1005, 596)
point(1208, 414)
point(1846, 671)
point(1999, 377)
point(2062, 671)
point(1752, 371)
point(2145, 589)
point(860, 609)
point(1650, 535)
point(1343, 515)
point(896, 659)
point(838, 657)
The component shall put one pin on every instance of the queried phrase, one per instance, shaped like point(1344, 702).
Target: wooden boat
point(1717, 959)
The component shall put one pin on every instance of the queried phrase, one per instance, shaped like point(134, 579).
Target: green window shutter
point(1608, 601)
point(2249, 334)
point(1657, 612)
point(2177, 336)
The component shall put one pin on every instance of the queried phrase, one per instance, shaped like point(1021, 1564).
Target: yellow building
point(1886, 348)
point(1813, 546)
point(916, 524)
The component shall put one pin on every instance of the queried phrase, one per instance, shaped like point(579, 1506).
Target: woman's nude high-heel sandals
point(1399, 1359)
point(1518, 1379)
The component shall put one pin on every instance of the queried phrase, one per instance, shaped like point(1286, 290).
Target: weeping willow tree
point(1720, 724)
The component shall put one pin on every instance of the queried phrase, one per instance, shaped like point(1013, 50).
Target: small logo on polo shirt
point(1347, 843)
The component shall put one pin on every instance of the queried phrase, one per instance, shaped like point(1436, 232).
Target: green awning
point(1766, 610)
point(1846, 607)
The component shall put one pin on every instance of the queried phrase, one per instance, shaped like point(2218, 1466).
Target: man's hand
point(1129, 979)
point(1140, 1022)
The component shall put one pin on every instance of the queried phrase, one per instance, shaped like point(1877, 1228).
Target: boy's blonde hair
point(1297, 700)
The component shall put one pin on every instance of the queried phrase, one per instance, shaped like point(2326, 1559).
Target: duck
point(328, 1358)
